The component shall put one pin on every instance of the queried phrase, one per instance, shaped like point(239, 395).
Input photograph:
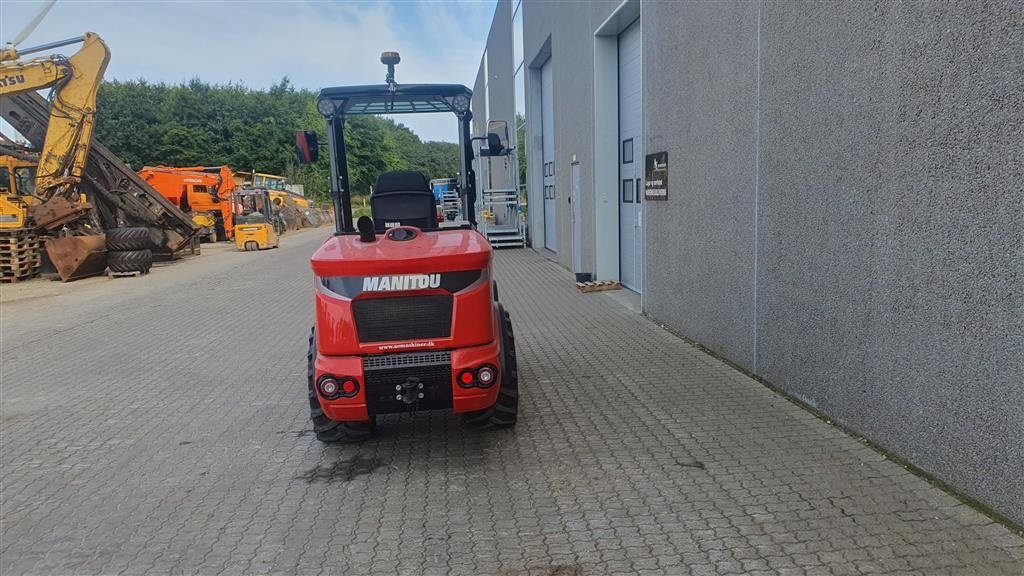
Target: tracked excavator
point(78, 247)
point(70, 166)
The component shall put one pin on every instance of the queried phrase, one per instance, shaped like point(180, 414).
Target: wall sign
point(656, 176)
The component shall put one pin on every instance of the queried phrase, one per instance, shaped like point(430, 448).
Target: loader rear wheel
point(130, 238)
point(505, 411)
point(130, 260)
point(329, 431)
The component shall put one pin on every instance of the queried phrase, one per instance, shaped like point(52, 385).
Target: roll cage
point(337, 103)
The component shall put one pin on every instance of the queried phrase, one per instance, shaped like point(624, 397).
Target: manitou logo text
point(406, 282)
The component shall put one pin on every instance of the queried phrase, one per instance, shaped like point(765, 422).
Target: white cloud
point(315, 44)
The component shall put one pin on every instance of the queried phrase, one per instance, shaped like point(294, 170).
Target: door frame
point(577, 216)
point(548, 166)
point(606, 139)
point(534, 152)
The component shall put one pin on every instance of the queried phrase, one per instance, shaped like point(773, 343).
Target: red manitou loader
point(407, 311)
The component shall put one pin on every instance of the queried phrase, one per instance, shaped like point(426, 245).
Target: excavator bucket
point(58, 211)
point(77, 257)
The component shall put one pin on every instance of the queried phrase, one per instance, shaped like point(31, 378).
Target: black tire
point(130, 261)
point(126, 239)
point(505, 411)
point(329, 431)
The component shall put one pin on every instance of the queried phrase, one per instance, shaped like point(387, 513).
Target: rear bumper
point(257, 234)
point(356, 409)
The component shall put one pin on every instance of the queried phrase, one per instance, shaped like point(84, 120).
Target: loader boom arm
point(75, 81)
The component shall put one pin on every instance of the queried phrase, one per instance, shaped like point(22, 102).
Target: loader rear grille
point(407, 360)
point(437, 388)
point(403, 318)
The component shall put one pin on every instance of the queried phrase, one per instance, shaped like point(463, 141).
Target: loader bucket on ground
point(77, 257)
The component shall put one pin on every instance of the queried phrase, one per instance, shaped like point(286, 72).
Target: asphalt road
point(158, 425)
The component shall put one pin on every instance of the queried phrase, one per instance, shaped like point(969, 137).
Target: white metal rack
point(504, 224)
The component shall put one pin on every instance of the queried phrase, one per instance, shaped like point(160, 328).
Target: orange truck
point(202, 192)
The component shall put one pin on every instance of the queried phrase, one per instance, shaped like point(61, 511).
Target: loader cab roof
point(396, 99)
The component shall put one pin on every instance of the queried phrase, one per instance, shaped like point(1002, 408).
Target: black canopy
point(398, 99)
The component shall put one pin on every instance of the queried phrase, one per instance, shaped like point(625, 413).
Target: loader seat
point(403, 198)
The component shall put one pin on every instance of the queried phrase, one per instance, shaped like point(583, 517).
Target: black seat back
point(403, 198)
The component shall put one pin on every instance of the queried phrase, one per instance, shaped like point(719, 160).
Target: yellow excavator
point(76, 245)
point(17, 182)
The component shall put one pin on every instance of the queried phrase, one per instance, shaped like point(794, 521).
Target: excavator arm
point(78, 249)
point(75, 81)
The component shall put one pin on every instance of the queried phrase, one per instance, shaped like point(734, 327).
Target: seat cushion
point(402, 181)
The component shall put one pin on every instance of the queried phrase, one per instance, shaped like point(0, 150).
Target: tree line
point(202, 124)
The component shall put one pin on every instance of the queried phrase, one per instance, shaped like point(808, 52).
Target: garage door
point(631, 159)
point(548, 154)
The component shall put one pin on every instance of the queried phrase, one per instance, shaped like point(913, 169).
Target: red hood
point(428, 252)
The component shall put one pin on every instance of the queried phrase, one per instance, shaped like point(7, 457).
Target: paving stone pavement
point(158, 425)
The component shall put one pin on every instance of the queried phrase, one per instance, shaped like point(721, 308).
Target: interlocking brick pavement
point(158, 425)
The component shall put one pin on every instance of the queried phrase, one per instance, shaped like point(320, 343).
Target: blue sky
point(315, 44)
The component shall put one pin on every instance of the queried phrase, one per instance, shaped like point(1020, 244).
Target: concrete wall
point(891, 253)
point(846, 213)
point(846, 207)
point(501, 105)
point(700, 99)
point(570, 27)
point(500, 95)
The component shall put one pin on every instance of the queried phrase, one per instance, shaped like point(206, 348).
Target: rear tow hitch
point(410, 392)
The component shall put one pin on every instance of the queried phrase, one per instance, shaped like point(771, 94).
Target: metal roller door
point(631, 159)
point(548, 155)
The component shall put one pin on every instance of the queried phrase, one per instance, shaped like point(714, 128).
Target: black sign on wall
point(656, 176)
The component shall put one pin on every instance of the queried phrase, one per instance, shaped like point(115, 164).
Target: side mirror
point(494, 145)
point(307, 148)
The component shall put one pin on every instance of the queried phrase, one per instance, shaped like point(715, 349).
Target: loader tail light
point(328, 387)
point(485, 375)
point(482, 377)
point(331, 387)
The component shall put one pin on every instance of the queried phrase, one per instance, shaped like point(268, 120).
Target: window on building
point(519, 87)
point(517, 36)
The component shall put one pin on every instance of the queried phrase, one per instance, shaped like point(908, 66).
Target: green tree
point(197, 123)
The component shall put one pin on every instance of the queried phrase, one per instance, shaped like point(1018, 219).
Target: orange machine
point(226, 185)
point(199, 191)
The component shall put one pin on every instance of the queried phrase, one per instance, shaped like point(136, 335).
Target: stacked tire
point(128, 250)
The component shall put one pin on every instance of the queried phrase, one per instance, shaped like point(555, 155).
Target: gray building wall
point(569, 26)
point(846, 208)
point(499, 94)
point(501, 103)
point(879, 148)
point(700, 98)
point(891, 257)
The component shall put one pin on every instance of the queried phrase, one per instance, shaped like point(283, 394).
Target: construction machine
point(17, 183)
point(78, 246)
point(120, 197)
point(407, 309)
point(198, 191)
point(258, 225)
